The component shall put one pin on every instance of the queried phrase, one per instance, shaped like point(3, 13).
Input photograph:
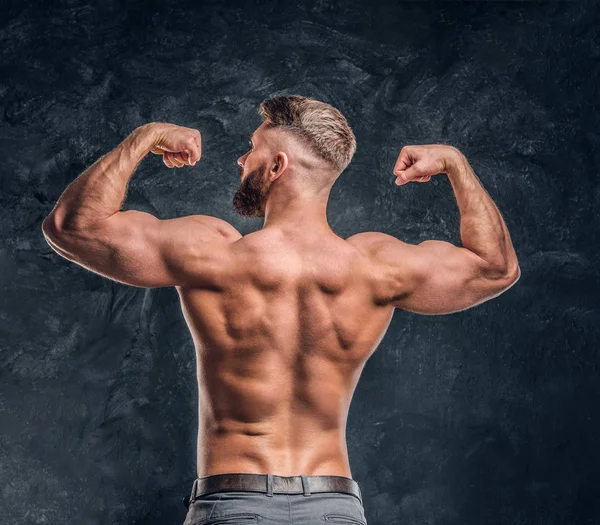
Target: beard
point(249, 198)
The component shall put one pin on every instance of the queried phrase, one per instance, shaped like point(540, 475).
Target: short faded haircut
point(316, 123)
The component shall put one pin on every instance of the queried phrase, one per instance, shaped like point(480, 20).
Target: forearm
point(99, 191)
point(482, 228)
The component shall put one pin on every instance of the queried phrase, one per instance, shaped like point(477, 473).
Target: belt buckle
point(286, 484)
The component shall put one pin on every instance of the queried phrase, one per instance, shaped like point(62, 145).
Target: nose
point(241, 160)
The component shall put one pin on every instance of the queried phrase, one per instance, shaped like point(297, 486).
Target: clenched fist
point(178, 145)
point(419, 163)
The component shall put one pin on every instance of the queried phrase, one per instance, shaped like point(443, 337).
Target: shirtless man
point(283, 319)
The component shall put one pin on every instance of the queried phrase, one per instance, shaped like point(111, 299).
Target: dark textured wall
point(487, 416)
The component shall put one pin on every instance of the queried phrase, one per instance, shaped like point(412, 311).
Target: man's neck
point(306, 214)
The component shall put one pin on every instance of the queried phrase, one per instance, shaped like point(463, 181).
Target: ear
point(279, 166)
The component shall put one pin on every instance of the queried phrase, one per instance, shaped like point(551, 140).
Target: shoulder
point(381, 253)
point(203, 227)
point(195, 242)
point(402, 260)
point(368, 238)
point(196, 249)
point(375, 244)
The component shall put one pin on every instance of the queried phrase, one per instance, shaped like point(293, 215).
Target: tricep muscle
point(433, 277)
point(138, 249)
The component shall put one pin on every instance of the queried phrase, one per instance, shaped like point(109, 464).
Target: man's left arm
point(87, 227)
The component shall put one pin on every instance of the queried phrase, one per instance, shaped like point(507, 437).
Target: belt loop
point(193, 494)
point(359, 494)
point(305, 486)
point(270, 485)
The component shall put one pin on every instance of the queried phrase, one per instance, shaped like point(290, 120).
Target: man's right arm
point(437, 277)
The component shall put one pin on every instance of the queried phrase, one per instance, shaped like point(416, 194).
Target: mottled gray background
point(488, 416)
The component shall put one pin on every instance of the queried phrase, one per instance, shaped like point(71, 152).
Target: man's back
point(282, 328)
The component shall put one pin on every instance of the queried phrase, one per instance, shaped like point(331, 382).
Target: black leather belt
point(271, 484)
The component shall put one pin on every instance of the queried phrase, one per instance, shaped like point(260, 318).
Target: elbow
point(53, 235)
point(53, 229)
point(60, 238)
point(514, 274)
point(49, 227)
point(511, 276)
point(61, 222)
point(513, 271)
point(503, 275)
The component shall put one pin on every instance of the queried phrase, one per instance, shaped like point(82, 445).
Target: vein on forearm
point(482, 228)
point(100, 191)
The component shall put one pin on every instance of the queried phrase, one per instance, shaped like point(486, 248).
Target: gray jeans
point(249, 508)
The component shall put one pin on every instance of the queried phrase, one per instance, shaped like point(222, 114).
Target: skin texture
point(283, 319)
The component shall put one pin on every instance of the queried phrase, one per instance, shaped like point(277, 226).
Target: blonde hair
point(316, 123)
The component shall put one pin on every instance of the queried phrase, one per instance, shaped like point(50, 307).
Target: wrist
point(460, 173)
point(143, 138)
point(453, 161)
